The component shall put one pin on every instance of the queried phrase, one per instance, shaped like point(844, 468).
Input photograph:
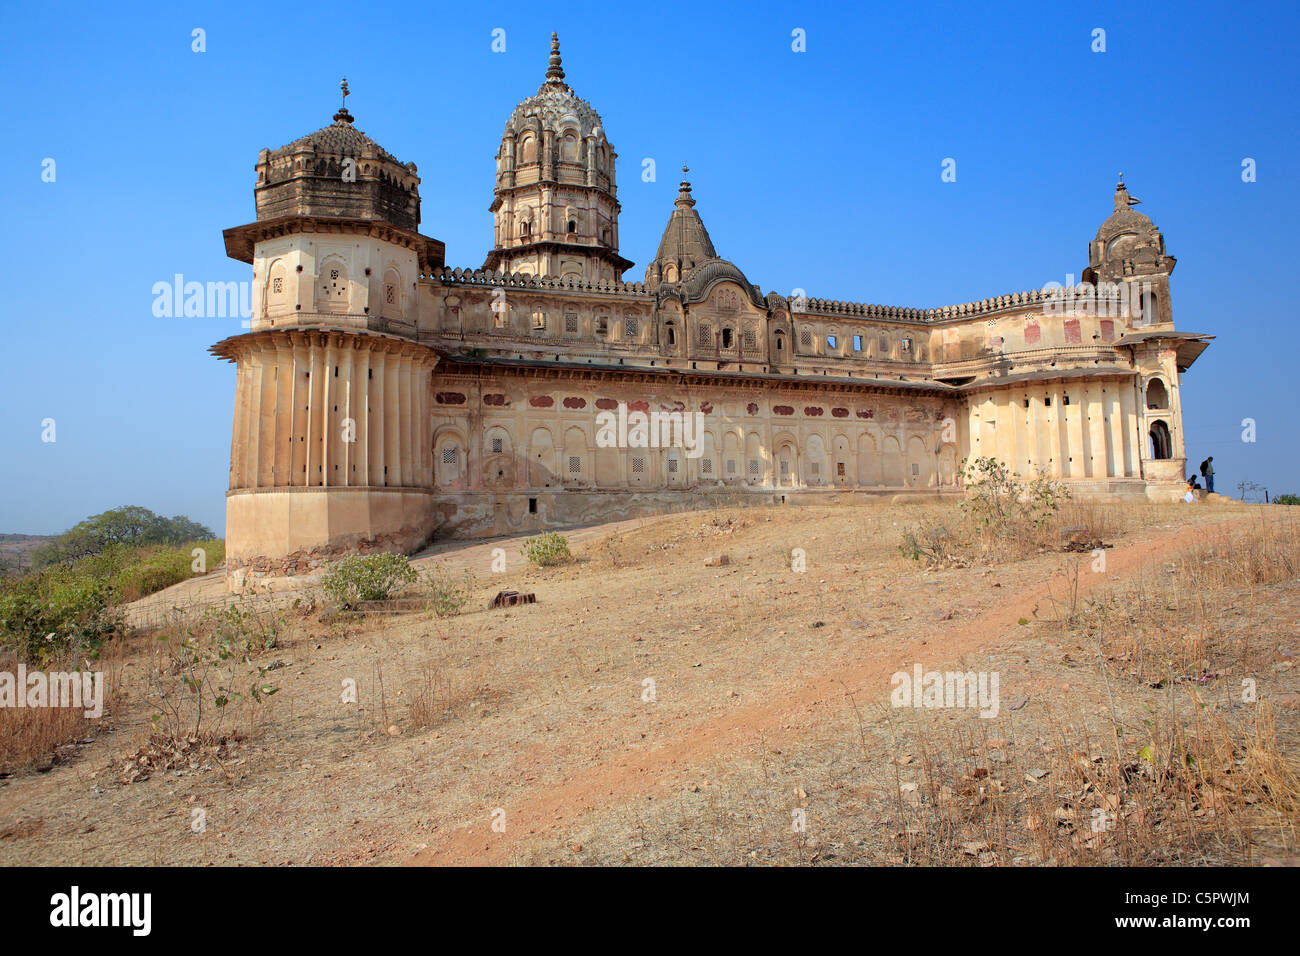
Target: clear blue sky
point(818, 170)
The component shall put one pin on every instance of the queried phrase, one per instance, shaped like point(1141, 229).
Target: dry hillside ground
point(1121, 735)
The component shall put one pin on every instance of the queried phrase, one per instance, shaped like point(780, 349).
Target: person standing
point(1207, 470)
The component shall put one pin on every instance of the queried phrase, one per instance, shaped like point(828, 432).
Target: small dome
point(555, 105)
point(1125, 219)
point(340, 138)
point(338, 172)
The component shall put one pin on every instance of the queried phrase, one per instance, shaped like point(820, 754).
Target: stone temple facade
point(383, 398)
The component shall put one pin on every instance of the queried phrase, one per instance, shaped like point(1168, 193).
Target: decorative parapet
point(999, 303)
point(516, 280)
point(1061, 297)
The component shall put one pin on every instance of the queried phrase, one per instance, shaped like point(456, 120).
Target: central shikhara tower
point(383, 398)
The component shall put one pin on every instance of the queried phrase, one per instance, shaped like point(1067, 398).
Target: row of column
point(331, 410)
point(1093, 436)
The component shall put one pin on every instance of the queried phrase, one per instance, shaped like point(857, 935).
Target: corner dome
point(1125, 219)
point(338, 172)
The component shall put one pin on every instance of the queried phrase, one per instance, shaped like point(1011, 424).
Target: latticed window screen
point(805, 337)
point(731, 467)
point(750, 339)
point(631, 327)
point(916, 469)
point(277, 285)
point(571, 322)
point(672, 466)
point(496, 446)
point(390, 293)
point(638, 466)
point(755, 468)
point(706, 466)
point(449, 454)
point(706, 334)
point(575, 465)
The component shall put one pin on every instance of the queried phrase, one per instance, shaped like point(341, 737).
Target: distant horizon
point(817, 170)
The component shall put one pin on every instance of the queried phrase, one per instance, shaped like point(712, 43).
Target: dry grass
point(37, 738)
point(1193, 776)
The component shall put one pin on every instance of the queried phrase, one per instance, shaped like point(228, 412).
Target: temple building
point(383, 398)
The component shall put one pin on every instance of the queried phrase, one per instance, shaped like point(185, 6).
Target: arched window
point(391, 304)
point(1157, 394)
point(333, 286)
point(277, 287)
point(672, 334)
point(525, 229)
point(726, 338)
point(528, 149)
point(1162, 446)
point(573, 226)
point(569, 147)
point(1150, 308)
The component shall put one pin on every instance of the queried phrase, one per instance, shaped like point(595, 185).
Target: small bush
point(203, 666)
point(43, 616)
point(547, 549)
point(367, 577)
point(446, 597)
point(1287, 500)
point(933, 544)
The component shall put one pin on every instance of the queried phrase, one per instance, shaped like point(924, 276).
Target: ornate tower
point(685, 243)
point(556, 203)
point(331, 444)
point(1128, 266)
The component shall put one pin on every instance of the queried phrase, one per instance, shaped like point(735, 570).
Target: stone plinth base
point(284, 531)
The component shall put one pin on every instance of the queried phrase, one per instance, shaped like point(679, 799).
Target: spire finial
point(684, 197)
point(555, 72)
point(343, 116)
point(1122, 199)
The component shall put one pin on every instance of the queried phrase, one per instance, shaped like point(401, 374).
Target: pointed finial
point(1122, 199)
point(684, 196)
point(555, 72)
point(343, 116)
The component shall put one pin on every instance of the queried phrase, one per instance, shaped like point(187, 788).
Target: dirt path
point(547, 813)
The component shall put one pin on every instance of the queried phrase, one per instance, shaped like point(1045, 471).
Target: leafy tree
point(129, 525)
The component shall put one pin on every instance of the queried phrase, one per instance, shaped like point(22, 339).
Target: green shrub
point(545, 549)
point(1287, 500)
point(367, 577)
point(43, 616)
point(999, 500)
point(71, 606)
